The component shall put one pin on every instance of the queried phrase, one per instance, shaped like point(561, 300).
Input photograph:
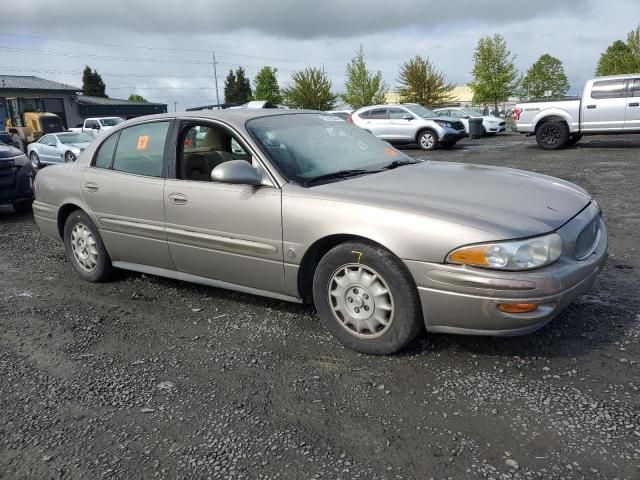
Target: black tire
point(483, 132)
point(22, 206)
point(69, 157)
point(427, 140)
point(103, 269)
point(552, 135)
point(573, 139)
point(35, 160)
point(405, 317)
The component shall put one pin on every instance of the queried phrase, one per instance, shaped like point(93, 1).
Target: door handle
point(634, 104)
point(178, 198)
point(591, 106)
point(91, 187)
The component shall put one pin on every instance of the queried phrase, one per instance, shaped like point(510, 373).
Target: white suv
point(409, 123)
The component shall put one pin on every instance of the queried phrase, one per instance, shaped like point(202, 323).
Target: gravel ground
point(152, 378)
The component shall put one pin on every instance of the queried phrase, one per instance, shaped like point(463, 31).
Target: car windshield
point(69, 138)
point(305, 147)
point(421, 111)
point(471, 112)
point(111, 122)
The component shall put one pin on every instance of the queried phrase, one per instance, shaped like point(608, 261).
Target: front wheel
point(367, 299)
point(552, 135)
point(69, 157)
point(35, 160)
point(85, 249)
point(428, 140)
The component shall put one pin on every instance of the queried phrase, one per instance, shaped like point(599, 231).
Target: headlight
point(512, 255)
point(443, 123)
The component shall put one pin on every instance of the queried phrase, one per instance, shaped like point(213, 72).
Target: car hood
point(79, 145)
point(509, 203)
point(7, 151)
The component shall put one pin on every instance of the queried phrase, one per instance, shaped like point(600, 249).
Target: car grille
point(589, 238)
point(458, 125)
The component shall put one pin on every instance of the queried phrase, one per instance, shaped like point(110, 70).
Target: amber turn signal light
point(517, 307)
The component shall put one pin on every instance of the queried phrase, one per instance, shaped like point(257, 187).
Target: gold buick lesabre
point(305, 207)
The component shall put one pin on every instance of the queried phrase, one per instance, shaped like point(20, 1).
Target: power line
point(104, 74)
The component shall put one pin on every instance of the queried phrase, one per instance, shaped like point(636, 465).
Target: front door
point(604, 110)
point(400, 127)
point(124, 188)
point(47, 149)
point(632, 119)
point(231, 233)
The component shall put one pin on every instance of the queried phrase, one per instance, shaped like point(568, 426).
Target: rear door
point(377, 122)
point(605, 108)
point(124, 189)
point(632, 119)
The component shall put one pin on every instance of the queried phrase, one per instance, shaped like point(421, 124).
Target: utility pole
point(215, 77)
point(175, 106)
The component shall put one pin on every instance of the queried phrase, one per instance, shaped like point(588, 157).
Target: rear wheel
point(69, 157)
point(85, 249)
point(552, 135)
point(35, 160)
point(428, 140)
point(366, 298)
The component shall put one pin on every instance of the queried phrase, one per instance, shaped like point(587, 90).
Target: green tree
point(92, 83)
point(265, 86)
point(311, 89)
point(495, 77)
point(237, 87)
point(420, 82)
point(137, 98)
point(546, 74)
point(363, 88)
point(621, 57)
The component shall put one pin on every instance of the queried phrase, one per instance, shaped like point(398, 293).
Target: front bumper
point(458, 299)
point(451, 135)
point(16, 184)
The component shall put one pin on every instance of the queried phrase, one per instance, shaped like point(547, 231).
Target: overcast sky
point(291, 34)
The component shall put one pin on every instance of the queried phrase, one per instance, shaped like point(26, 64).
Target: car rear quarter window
point(104, 157)
point(608, 89)
point(140, 149)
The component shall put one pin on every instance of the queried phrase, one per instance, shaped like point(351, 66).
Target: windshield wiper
point(340, 174)
point(399, 163)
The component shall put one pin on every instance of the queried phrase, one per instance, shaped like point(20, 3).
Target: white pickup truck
point(609, 105)
point(94, 126)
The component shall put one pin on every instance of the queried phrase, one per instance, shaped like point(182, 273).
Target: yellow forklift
point(26, 127)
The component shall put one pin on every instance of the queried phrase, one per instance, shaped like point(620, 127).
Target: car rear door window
point(608, 89)
point(635, 90)
point(104, 157)
point(140, 149)
point(397, 113)
point(378, 114)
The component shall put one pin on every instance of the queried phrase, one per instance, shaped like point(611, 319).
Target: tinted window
point(90, 124)
point(140, 149)
point(608, 89)
point(635, 91)
point(104, 156)
point(397, 113)
point(47, 139)
point(364, 114)
point(455, 113)
point(377, 113)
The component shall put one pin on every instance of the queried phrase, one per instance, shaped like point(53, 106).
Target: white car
point(63, 147)
point(490, 124)
point(94, 126)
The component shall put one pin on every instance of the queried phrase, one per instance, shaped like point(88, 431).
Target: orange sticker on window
point(143, 140)
point(390, 151)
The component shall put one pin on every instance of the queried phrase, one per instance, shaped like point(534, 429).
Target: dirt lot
point(152, 378)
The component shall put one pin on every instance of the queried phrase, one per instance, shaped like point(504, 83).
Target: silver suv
point(410, 123)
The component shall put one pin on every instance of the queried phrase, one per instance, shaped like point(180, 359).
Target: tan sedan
point(302, 206)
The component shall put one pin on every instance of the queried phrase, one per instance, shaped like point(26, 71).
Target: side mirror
point(236, 172)
point(407, 116)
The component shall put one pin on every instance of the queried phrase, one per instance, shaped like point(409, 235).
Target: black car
point(16, 178)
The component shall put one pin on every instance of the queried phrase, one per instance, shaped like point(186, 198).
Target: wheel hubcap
point(427, 140)
point(84, 247)
point(361, 301)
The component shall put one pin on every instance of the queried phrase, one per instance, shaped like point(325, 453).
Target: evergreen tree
point(92, 83)
point(311, 89)
point(363, 88)
point(230, 87)
point(266, 86)
point(420, 82)
point(237, 87)
point(137, 98)
point(546, 74)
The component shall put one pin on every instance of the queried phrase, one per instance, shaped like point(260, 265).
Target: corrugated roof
point(88, 100)
point(21, 82)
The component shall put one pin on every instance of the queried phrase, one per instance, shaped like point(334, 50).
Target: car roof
point(236, 117)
